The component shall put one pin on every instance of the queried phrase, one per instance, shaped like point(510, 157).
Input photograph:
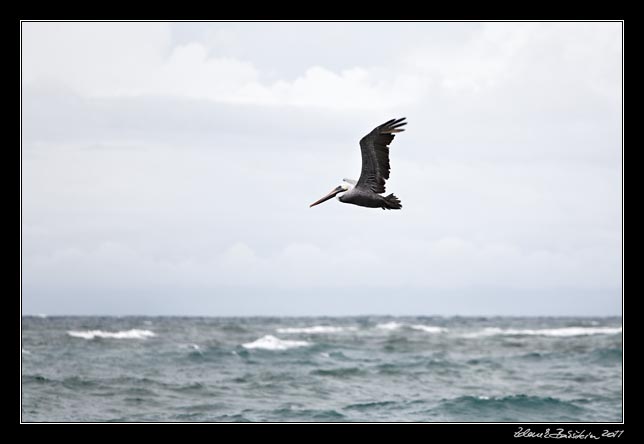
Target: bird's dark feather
point(375, 155)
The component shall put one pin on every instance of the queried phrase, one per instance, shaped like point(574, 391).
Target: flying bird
point(366, 191)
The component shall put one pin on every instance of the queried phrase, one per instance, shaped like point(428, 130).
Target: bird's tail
point(391, 202)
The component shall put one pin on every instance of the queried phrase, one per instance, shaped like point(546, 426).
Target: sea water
point(321, 369)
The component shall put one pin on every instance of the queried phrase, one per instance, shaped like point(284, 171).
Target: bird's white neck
point(348, 184)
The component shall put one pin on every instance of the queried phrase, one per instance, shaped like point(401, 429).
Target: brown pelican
point(375, 170)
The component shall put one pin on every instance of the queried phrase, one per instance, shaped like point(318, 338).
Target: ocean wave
point(37, 379)
point(428, 328)
point(288, 413)
point(393, 326)
point(371, 405)
point(233, 328)
point(510, 408)
point(316, 329)
point(558, 332)
point(124, 334)
point(607, 355)
point(339, 372)
point(270, 342)
point(389, 326)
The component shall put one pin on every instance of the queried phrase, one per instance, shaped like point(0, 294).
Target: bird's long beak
point(331, 195)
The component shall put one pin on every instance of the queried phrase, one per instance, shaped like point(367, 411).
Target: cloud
point(190, 73)
point(538, 60)
point(123, 60)
point(444, 263)
point(157, 160)
point(508, 63)
point(91, 57)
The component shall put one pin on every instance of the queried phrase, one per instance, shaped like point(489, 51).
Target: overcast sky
point(168, 168)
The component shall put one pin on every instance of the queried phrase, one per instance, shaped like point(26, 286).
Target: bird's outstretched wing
point(375, 155)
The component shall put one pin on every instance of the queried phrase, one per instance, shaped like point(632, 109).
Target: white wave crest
point(429, 328)
point(316, 329)
point(25, 352)
point(572, 331)
point(489, 331)
point(389, 326)
point(270, 342)
point(126, 334)
point(392, 326)
point(560, 332)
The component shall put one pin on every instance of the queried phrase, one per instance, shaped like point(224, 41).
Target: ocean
point(321, 369)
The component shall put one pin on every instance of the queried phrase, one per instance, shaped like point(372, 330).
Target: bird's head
point(337, 191)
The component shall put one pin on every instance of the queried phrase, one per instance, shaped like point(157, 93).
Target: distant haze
point(168, 168)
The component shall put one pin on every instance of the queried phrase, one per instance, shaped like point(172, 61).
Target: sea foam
point(429, 328)
point(560, 332)
point(392, 326)
point(270, 342)
point(125, 334)
point(316, 329)
point(389, 326)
